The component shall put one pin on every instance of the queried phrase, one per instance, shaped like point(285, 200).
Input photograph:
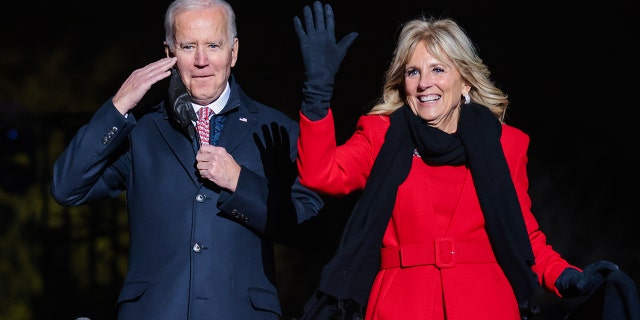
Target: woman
point(443, 229)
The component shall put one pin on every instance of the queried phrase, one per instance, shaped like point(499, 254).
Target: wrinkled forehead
point(201, 22)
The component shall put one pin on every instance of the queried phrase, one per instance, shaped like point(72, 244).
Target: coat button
point(200, 197)
point(197, 247)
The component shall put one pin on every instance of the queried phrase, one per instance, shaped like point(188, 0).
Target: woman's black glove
point(573, 283)
point(322, 57)
point(529, 310)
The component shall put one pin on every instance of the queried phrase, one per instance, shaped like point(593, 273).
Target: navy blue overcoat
point(195, 252)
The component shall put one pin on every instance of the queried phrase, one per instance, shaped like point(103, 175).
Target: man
point(203, 212)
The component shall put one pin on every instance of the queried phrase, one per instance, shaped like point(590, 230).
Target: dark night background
point(570, 71)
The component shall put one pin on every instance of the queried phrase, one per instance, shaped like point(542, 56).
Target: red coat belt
point(443, 253)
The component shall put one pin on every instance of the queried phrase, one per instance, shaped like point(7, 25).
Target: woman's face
point(434, 89)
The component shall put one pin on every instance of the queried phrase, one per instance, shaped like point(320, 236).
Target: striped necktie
point(203, 125)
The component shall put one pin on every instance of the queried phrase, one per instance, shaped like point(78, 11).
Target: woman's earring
point(467, 99)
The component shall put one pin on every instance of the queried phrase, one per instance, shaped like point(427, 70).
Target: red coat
point(437, 262)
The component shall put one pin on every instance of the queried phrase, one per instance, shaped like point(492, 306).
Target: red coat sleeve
point(338, 170)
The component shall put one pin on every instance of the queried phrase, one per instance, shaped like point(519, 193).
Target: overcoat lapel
point(182, 148)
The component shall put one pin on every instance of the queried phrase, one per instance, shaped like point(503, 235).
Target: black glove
point(280, 170)
point(529, 310)
point(321, 56)
point(275, 152)
point(573, 283)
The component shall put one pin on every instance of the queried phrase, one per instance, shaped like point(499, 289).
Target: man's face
point(204, 52)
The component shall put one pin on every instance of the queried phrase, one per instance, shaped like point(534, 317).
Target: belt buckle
point(445, 253)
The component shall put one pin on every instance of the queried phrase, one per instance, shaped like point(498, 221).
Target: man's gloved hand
point(322, 57)
point(573, 283)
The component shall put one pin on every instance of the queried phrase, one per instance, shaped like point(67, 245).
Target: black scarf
point(349, 275)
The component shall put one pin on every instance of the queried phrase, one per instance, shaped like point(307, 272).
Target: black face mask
point(179, 104)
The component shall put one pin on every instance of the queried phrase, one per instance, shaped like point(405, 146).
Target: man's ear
point(234, 51)
point(167, 50)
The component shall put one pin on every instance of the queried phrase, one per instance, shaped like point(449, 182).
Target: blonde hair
point(446, 40)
